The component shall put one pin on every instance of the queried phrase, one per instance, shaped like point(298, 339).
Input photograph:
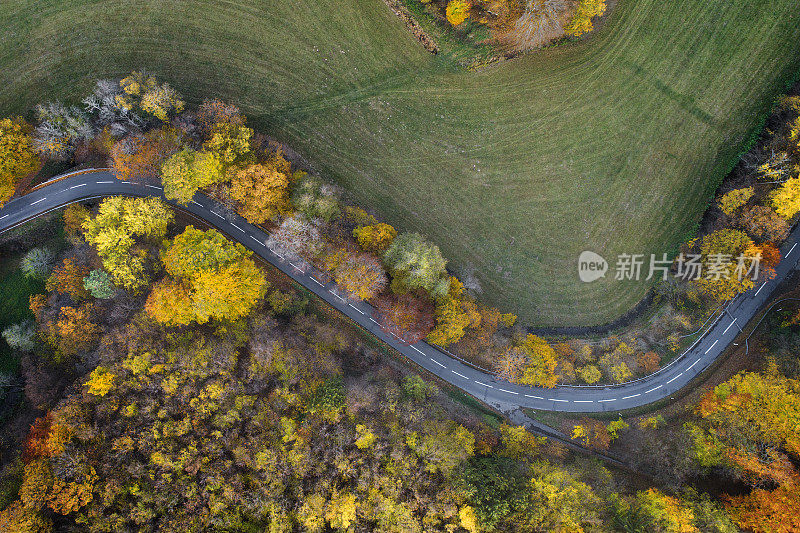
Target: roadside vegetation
point(144, 130)
point(161, 406)
point(473, 33)
point(511, 171)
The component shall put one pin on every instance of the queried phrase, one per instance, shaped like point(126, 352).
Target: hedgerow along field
point(612, 144)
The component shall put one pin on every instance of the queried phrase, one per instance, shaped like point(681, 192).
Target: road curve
point(502, 394)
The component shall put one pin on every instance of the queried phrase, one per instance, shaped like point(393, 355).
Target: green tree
point(315, 199)
point(99, 284)
point(495, 488)
point(416, 264)
point(21, 336)
point(443, 445)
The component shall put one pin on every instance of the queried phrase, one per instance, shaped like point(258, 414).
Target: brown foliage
point(763, 224)
point(139, 158)
point(648, 362)
point(764, 511)
point(213, 112)
point(74, 216)
point(67, 278)
point(408, 317)
point(35, 446)
point(361, 276)
point(597, 435)
point(74, 331)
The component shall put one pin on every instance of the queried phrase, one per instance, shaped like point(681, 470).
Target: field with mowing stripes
point(613, 144)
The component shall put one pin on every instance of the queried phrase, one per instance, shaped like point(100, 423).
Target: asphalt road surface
point(502, 394)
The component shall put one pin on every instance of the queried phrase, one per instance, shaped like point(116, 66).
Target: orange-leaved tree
point(140, 157)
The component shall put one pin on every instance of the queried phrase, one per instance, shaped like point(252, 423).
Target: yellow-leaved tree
point(454, 313)
point(457, 11)
point(211, 278)
point(262, 192)
point(17, 157)
point(786, 198)
point(376, 237)
point(142, 91)
point(187, 171)
point(114, 230)
point(533, 362)
point(582, 20)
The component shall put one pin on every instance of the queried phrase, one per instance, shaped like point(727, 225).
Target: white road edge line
point(712, 345)
point(4, 216)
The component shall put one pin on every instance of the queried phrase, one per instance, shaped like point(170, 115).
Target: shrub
point(21, 336)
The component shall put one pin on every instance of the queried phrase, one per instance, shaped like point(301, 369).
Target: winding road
point(506, 396)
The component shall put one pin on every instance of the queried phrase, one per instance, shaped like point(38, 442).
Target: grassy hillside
point(613, 144)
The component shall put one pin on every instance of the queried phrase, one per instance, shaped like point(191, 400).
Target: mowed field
point(613, 144)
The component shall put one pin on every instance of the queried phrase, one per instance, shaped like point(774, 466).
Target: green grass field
point(15, 293)
point(612, 144)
